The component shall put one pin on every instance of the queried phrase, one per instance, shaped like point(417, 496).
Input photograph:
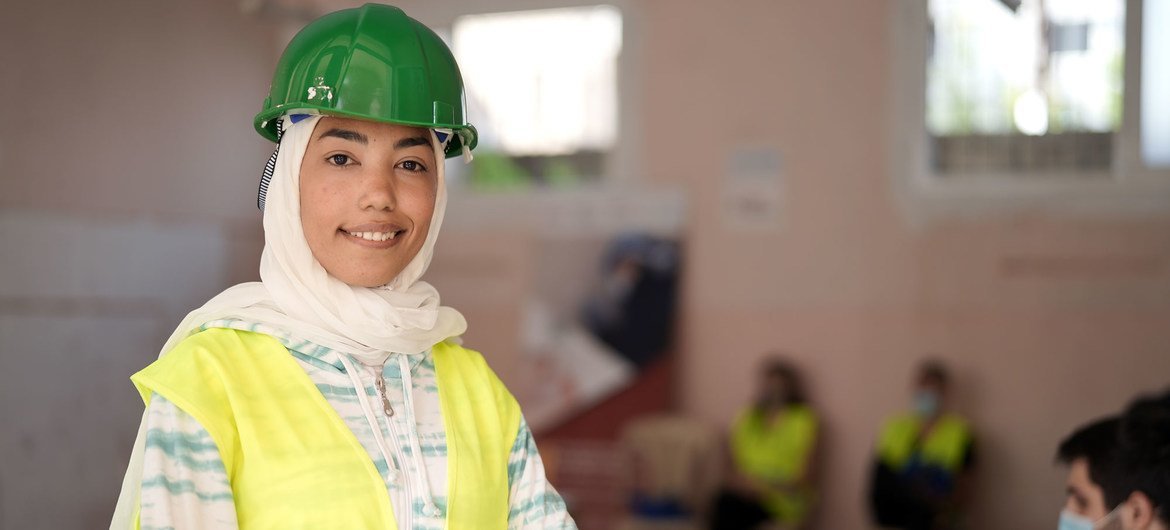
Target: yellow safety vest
point(945, 447)
point(291, 460)
point(777, 452)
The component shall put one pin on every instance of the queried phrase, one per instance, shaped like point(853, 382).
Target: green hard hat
point(373, 63)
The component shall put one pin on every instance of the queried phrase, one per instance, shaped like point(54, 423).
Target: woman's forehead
point(371, 129)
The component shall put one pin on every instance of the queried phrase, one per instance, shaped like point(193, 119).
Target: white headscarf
point(297, 295)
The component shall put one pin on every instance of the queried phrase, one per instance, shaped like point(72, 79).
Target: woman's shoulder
point(467, 368)
point(222, 339)
point(803, 412)
point(954, 421)
point(216, 346)
point(453, 352)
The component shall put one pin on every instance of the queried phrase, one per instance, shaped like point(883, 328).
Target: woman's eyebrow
point(346, 134)
point(412, 142)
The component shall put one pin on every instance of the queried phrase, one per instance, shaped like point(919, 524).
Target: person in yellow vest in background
point(773, 445)
point(334, 393)
point(923, 460)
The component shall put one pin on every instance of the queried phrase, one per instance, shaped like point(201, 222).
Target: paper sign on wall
point(751, 195)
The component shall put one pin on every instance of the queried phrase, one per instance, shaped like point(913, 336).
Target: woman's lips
point(383, 238)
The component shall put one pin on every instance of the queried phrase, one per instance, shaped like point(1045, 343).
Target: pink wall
point(132, 107)
point(1048, 321)
point(128, 174)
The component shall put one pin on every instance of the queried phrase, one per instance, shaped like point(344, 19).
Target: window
point(1032, 100)
point(1155, 129)
point(542, 88)
point(1024, 84)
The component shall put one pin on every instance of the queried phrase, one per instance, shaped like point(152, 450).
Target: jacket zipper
point(395, 447)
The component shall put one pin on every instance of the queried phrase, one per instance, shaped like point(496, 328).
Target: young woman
point(334, 393)
point(773, 447)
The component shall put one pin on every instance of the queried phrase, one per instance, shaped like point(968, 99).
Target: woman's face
point(367, 195)
point(775, 389)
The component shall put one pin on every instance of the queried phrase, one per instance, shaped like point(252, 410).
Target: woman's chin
point(366, 277)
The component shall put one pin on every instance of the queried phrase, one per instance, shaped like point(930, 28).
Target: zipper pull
point(380, 384)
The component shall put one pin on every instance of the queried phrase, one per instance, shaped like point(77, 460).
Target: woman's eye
point(411, 165)
point(339, 160)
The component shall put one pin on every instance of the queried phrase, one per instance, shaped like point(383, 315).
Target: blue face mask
point(1072, 521)
point(926, 404)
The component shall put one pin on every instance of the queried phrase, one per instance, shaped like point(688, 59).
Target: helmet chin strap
point(269, 167)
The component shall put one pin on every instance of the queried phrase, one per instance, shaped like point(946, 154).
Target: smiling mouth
point(375, 236)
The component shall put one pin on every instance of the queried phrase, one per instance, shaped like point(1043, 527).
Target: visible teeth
point(374, 236)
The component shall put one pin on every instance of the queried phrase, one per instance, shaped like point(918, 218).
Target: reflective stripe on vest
point(777, 452)
point(291, 460)
point(945, 447)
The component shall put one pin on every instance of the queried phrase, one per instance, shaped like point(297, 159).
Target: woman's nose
point(379, 191)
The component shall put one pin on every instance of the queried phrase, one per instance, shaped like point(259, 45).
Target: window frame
point(1128, 187)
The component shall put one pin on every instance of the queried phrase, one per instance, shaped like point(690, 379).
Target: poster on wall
point(751, 194)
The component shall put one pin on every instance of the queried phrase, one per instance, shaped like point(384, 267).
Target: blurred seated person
point(923, 460)
point(772, 444)
point(1119, 470)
